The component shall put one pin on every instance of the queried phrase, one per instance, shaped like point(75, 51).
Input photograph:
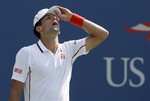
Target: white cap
point(43, 12)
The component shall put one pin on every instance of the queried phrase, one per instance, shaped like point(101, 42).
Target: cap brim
point(53, 9)
point(45, 11)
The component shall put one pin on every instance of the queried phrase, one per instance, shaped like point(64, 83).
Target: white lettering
point(137, 72)
point(126, 61)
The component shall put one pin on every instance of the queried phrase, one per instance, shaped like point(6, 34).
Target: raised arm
point(97, 33)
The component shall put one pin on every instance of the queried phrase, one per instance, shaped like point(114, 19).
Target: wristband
point(77, 20)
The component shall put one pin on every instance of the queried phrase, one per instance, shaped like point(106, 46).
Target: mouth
point(55, 23)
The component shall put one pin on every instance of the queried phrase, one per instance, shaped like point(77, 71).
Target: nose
point(56, 18)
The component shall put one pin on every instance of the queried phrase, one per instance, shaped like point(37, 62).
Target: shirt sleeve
point(78, 48)
point(20, 69)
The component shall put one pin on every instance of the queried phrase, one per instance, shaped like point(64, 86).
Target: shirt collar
point(43, 48)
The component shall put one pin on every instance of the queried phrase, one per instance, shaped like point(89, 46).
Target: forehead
point(48, 14)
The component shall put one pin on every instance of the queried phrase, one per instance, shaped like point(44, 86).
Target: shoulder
point(71, 42)
point(26, 49)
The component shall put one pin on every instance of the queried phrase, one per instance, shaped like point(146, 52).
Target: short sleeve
point(78, 48)
point(20, 69)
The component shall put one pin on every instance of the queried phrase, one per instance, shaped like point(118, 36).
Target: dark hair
point(36, 33)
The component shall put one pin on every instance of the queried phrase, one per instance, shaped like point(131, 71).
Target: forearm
point(94, 29)
point(90, 27)
point(14, 97)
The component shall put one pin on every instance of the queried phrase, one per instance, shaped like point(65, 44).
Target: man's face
point(50, 24)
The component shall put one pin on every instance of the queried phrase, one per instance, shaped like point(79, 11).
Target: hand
point(65, 13)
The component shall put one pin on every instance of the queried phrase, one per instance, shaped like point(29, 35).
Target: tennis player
point(44, 69)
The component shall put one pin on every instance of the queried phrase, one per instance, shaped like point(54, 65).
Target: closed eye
point(48, 16)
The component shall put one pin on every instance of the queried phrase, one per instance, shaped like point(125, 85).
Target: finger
point(62, 9)
point(58, 14)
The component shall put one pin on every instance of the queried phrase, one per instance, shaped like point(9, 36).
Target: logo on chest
point(62, 56)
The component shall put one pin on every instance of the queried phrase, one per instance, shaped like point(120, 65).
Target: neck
point(50, 43)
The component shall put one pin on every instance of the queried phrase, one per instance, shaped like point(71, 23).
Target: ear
point(38, 28)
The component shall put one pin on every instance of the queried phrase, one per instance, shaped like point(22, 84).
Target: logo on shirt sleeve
point(17, 70)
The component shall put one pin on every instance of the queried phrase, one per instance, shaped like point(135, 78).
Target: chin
point(55, 30)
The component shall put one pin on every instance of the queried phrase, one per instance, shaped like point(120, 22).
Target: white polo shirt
point(46, 76)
